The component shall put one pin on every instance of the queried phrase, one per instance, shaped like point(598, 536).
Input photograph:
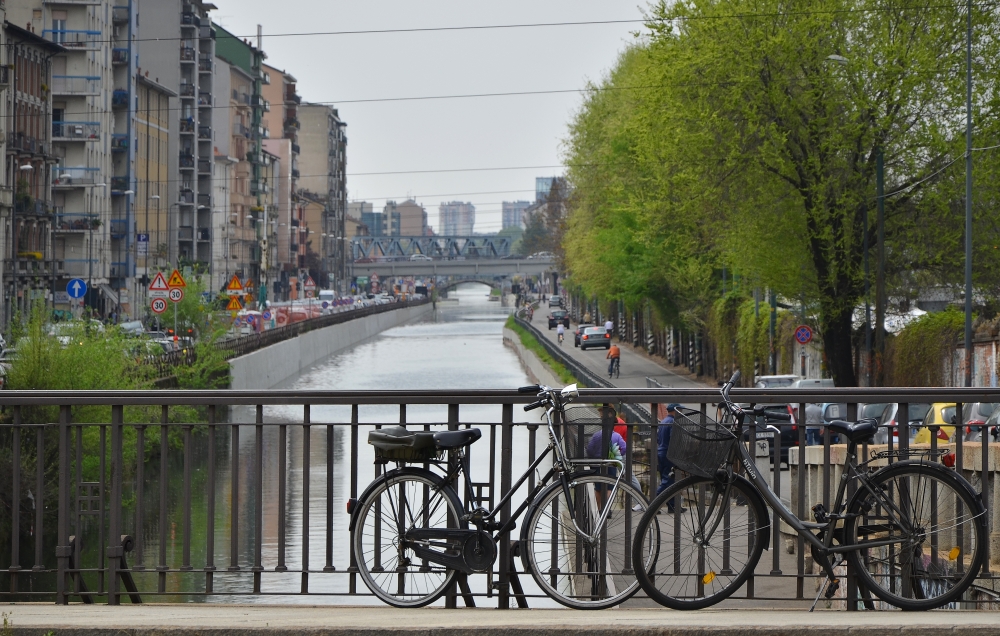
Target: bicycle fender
point(357, 503)
point(946, 473)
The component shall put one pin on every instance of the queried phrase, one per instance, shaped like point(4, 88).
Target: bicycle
point(411, 532)
point(560, 336)
point(913, 531)
point(615, 368)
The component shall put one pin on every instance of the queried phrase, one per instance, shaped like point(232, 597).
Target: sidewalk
point(229, 620)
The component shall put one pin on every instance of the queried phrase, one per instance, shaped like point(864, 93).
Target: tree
point(736, 126)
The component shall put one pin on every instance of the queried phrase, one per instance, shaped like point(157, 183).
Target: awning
point(109, 293)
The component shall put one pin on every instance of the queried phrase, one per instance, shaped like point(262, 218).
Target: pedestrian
point(587, 318)
point(814, 420)
point(666, 469)
point(617, 449)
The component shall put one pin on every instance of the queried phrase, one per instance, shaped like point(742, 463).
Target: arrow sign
point(176, 280)
point(76, 288)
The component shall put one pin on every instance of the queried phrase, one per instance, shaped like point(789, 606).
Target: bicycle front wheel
point(574, 559)
point(932, 533)
point(708, 538)
point(409, 498)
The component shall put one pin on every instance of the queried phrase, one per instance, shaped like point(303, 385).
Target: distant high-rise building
point(457, 218)
point(361, 213)
point(543, 185)
point(513, 213)
point(412, 218)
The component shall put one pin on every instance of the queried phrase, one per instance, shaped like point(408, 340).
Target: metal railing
point(189, 494)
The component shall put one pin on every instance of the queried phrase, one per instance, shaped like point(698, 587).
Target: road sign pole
point(176, 338)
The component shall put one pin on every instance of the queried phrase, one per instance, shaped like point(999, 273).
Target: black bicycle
point(913, 531)
point(615, 368)
point(412, 533)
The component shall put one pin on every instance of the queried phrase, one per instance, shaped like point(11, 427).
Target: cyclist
point(614, 354)
point(560, 331)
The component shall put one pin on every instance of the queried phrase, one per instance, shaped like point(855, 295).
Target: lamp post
point(25, 170)
point(968, 194)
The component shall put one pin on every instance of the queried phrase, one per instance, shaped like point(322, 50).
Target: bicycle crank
point(467, 551)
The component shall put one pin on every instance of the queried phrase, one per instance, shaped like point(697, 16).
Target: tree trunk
point(837, 346)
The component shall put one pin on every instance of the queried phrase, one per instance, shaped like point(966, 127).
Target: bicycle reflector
point(350, 505)
point(948, 459)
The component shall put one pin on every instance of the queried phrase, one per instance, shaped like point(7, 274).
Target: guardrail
point(207, 487)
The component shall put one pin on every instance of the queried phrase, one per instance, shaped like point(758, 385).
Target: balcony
point(76, 131)
point(188, 54)
point(204, 99)
point(34, 208)
point(291, 97)
point(25, 144)
point(204, 234)
point(119, 185)
point(76, 85)
point(292, 124)
point(74, 40)
point(187, 126)
point(119, 143)
point(206, 32)
point(204, 167)
point(186, 161)
point(119, 15)
point(119, 99)
point(185, 233)
point(118, 228)
point(240, 130)
point(186, 197)
point(189, 18)
point(265, 78)
point(295, 173)
point(34, 264)
point(204, 200)
point(72, 222)
point(119, 57)
point(74, 176)
point(188, 90)
point(205, 132)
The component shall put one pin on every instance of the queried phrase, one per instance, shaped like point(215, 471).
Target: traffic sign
point(158, 305)
point(176, 294)
point(234, 286)
point(309, 284)
point(76, 288)
point(176, 280)
point(158, 288)
point(234, 304)
point(803, 334)
point(267, 315)
point(251, 319)
point(325, 304)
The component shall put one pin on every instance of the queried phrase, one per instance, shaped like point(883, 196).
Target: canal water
point(460, 346)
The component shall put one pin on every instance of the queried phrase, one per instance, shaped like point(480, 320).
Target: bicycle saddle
point(456, 439)
point(855, 431)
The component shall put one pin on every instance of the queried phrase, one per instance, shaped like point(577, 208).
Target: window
point(59, 26)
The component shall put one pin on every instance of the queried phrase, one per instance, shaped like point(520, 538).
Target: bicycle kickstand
point(831, 586)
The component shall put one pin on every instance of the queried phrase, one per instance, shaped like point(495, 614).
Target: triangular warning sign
point(159, 283)
point(234, 304)
point(310, 283)
point(234, 284)
point(176, 280)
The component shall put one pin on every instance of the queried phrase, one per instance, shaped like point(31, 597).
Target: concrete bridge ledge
point(230, 620)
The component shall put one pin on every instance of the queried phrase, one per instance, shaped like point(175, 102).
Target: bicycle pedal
point(832, 587)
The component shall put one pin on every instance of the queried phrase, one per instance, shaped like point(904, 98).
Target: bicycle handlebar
point(535, 405)
point(534, 388)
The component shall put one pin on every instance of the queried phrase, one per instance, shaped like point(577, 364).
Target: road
point(635, 368)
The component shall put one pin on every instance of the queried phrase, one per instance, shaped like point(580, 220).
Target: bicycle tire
point(392, 580)
point(562, 564)
point(950, 553)
point(730, 557)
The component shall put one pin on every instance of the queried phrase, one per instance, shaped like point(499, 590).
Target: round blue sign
point(76, 288)
point(250, 319)
point(267, 315)
point(325, 304)
point(803, 334)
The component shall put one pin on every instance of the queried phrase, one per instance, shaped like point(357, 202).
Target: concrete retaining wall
point(537, 370)
point(272, 366)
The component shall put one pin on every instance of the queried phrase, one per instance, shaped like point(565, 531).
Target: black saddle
point(855, 431)
point(456, 439)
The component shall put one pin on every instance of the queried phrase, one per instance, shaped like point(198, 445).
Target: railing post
point(258, 499)
point(306, 468)
point(186, 529)
point(63, 547)
point(329, 500)
point(210, 496)
point(114, 551)
point(15, 500)
point(506, 462)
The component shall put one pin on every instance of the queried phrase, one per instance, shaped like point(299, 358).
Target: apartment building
point(457, 218)
point(30, 265)
point(513, 213)
point(323, 167)
point(93, 110)
point(412, 218)
point(153, 163)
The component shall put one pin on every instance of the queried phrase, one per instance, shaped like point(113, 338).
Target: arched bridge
point(445, 286)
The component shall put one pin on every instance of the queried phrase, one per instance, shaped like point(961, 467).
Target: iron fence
point(169, 495)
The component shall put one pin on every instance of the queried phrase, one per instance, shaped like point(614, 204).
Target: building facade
point(513, 213)
point(457, 218)
point(412, 218)
point(323, 167)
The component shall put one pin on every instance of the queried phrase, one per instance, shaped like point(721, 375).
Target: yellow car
point(940, 414)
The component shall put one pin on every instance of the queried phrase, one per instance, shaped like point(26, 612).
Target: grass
point(531, 344)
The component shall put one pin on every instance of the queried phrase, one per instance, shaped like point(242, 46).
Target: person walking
point(666, 469)
point(814, 420)
point(614, 355)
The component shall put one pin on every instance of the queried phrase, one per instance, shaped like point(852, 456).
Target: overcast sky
point(489, 132)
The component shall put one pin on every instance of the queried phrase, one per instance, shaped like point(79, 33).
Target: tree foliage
point(745, 134)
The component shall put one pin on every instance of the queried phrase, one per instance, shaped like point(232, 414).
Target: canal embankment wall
point(537, 371)
point(271, 366)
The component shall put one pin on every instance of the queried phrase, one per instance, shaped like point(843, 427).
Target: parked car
point(774, 381)
point(941, 416)
point(975, 415)
point(420, 257)
point(555, 301)
point(813, 383)
point(579, 332)
point(789, 428)
point(595, 337)
point(558, 316)
point(888, 421)
point(992, 424)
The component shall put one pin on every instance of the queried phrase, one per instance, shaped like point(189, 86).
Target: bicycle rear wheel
point(408, 498)
point(567, 565)
point(935, 529)
point(707, 541)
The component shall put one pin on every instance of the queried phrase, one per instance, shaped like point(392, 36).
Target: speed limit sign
point(176, 294)
point(158, 305)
